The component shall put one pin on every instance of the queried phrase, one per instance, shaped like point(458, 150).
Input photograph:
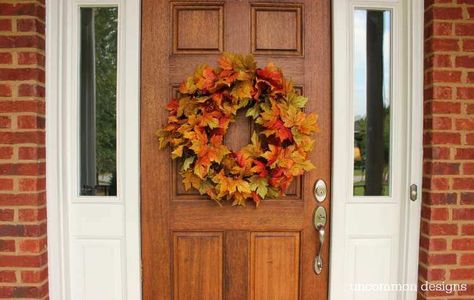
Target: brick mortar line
point(22, 49)
point(17, 192)
point(22, 33)
point(18, 66)
point(22, 17)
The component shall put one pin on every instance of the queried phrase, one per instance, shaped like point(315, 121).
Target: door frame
point(56, 45)
point(412, 33)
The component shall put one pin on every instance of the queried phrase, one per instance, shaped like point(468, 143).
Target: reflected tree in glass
point(98, 90)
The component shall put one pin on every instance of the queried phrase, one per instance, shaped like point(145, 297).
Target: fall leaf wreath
point(200, 117)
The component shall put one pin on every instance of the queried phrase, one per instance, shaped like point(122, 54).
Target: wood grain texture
point(154, 204)
point(277, 29)
point(317, 86)
point(166, 208)
point(277, 215)
point(197, 27)
point(197, 265)
point(236, 264)
point(274, 265)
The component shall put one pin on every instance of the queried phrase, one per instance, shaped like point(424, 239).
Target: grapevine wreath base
point(208, 103)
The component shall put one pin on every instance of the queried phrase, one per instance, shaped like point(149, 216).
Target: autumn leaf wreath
point(200, 117)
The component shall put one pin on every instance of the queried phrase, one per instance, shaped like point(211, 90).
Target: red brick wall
point(447, 225)
point(23, 257)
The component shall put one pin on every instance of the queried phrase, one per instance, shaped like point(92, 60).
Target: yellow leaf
point(242, 186)
point(190, 180)
point(242, 90)
point(178, 152)
point(187, 86)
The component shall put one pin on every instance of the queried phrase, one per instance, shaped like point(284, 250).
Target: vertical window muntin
point(106, 165)
point(359, 182)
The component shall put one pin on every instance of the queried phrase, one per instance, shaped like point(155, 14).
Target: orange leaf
point(225, 62)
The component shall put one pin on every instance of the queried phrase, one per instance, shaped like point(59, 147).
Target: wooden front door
point(191, 247)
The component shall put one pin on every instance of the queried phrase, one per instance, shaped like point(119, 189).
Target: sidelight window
point(98, 101)
point(372, 102)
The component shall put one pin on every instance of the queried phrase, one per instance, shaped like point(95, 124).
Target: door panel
point(274, 265)
point(191, 247)
point(197, 265)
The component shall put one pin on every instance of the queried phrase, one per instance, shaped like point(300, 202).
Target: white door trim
point(60, 85)
point(412, 35)
point(54, 180)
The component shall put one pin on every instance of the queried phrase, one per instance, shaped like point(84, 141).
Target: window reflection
point(372, 99)
point(98, 86)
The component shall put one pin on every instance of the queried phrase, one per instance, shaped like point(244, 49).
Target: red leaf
point(173, 105)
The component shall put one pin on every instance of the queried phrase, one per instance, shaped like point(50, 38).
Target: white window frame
point(62, 184)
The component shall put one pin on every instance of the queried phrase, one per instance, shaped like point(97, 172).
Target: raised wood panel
point(299, 89)
point(198, 28)
point(197, 265)
point(294, 190)
point(236, 264)
point(175, 90)
point(274, 267)
point(277, 29)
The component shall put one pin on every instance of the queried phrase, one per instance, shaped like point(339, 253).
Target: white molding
point(54, 179)
point(132, 27)
point(415, 146)
point(340, 45)
point(61, 87)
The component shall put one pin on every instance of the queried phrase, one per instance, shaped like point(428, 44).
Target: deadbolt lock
point(320, 190)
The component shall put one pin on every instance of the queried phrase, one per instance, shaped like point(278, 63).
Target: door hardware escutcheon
point(320, 190)
point(319, 220)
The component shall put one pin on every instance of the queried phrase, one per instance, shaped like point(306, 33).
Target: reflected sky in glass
point(360, 61)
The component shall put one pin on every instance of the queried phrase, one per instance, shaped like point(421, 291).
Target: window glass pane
point(372, 99)
point(98, 97)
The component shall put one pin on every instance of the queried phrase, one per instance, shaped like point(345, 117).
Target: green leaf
point(213, 123)
point(187, 163)
point(297, 100)
point(253, 112)
point(273, 193)
point(259, 185)
point(244, 102)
